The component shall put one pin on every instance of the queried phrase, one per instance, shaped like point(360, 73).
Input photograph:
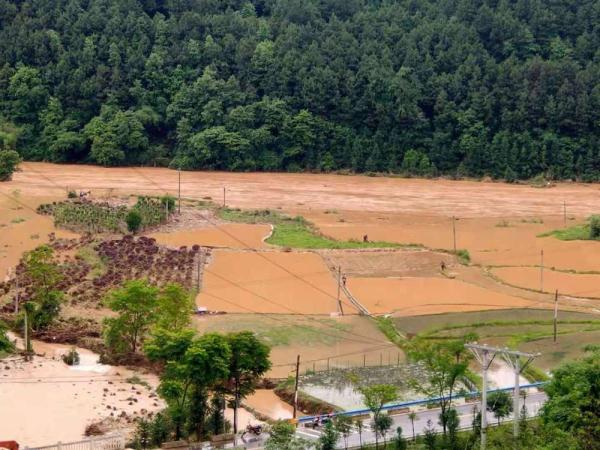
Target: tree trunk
point(236, 404)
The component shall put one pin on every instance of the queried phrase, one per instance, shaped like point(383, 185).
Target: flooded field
point(575, 284)
point(268, 282)
point(417, 296)
point(46, 401)
point(320, 192)
point(232, 235)
point(289, 298)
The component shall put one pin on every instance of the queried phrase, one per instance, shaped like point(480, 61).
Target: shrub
point(134, 221)
point(168, 200)
point(9, 160)
point(595, 227)
point(71, 194)
point(71, 358)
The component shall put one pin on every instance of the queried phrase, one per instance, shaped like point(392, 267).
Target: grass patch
point(387, 327)
point(300, 234)
point(91, 257)
point(588, 231)
point(574, 233)
point(287, 335)
point(17, 220)
point(297, 232)
point(137, 380)
point(534, 373)
point(503, 224)
point(532, 220)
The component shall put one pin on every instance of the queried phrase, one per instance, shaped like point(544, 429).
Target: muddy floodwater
point(45, 401)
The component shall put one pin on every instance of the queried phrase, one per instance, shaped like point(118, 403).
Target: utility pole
point(296, 386)
point(223, 196)
point(179, 191)
point(482, 354)
point(167, 210)
point(339, 280)
point(199, 268)
point(555, 314)
point(26, 335)
point(454, 232)
point(565, 212)
point(513, 358)
point(17, 293)
point(542, 271)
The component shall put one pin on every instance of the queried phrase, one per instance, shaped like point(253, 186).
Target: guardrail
point(111, 442)
point(360, 412)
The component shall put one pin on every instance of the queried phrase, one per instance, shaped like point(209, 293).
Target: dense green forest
point(501, 88)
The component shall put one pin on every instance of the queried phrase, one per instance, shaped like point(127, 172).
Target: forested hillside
point(509, 89)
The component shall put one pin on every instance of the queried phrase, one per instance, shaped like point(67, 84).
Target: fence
point(385, 356)
point(112, 442)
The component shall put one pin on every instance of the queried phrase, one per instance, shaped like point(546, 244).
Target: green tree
point(573, 404)
point(133, 221)
point(374, 398)
point(399, 441)
point(430, 436)
point(282, 437)
point(45, 275)
point(6, 346)
point(445, 364)
point(382, 425)
point(193, 368)
point(595, 227)
point(329, 437)
point(412, 416)
point(500, 403)
point(249, 361)
point(343, 425)
point(9, 160)
point(175, 305)
point(136, 306)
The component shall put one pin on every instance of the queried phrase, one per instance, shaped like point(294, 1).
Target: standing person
point(344, 280)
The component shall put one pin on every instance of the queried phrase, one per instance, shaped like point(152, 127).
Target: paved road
point(466, 413)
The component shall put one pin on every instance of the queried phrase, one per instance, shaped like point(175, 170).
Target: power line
point(262, 256)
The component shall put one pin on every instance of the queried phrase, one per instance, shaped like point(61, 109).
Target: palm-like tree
point(413, 416)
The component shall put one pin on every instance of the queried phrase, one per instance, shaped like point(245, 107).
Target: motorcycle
point(255, 430)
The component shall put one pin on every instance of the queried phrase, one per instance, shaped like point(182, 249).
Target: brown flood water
point(230, 235)
point(418, 296)
point(320, 192)
point(578, 285)
point(268, 282)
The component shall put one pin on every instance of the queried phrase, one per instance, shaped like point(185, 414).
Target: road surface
point(534, 402)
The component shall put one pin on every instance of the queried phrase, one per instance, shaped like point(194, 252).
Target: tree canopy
point(504, 89)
